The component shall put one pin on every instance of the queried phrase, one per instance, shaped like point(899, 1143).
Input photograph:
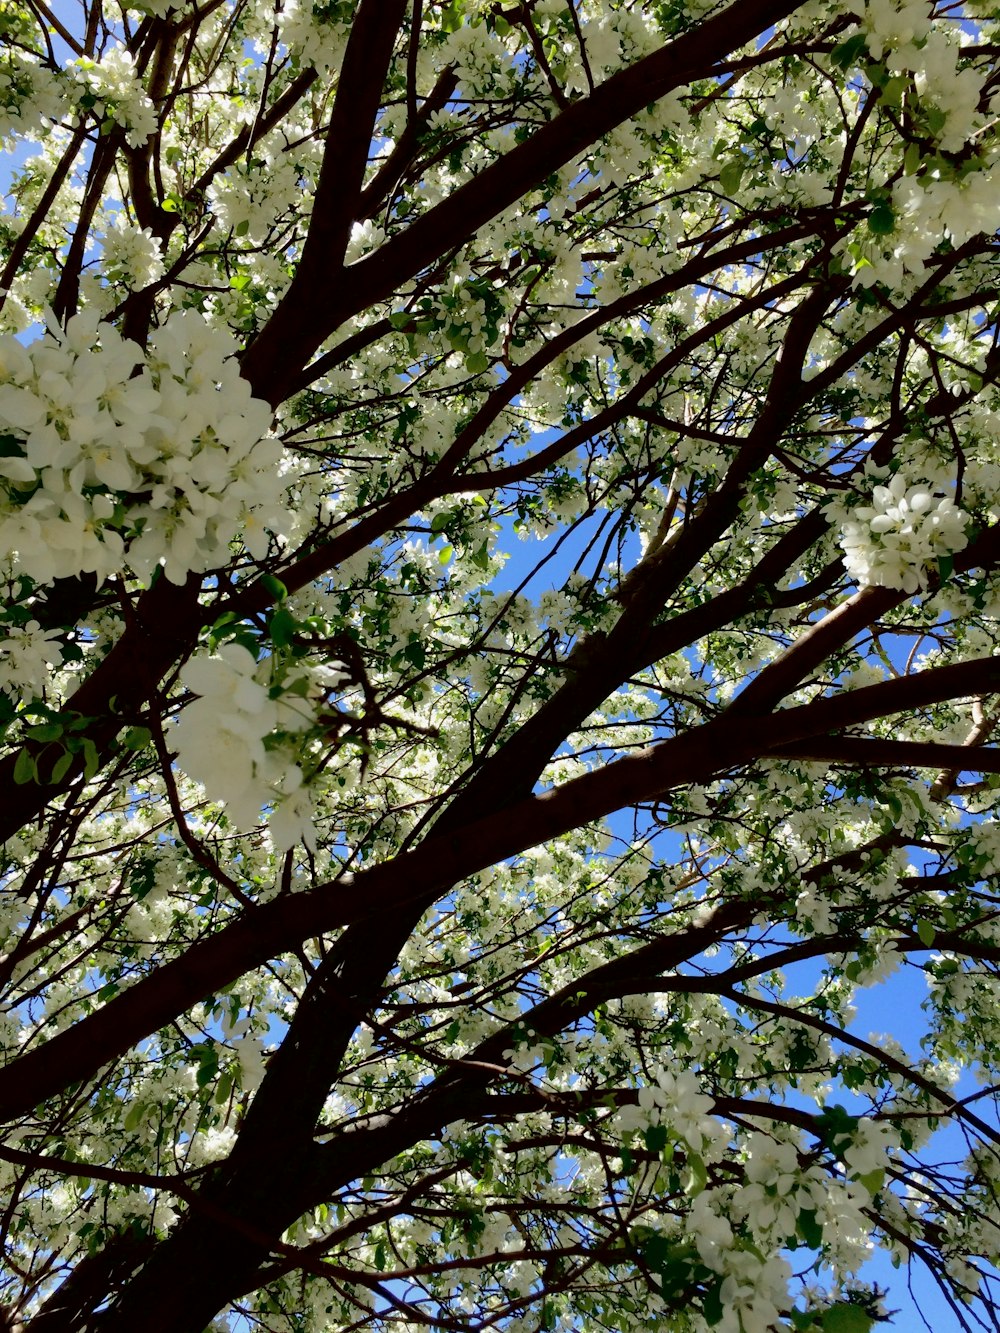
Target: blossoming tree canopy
point(501, 563)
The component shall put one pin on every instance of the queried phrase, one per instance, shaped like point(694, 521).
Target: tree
point(500, 546)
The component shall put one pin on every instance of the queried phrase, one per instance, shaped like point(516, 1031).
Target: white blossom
point(106, 468)
point(894, 542)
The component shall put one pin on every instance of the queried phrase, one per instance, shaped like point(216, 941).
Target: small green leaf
point(926, 933)
point(61, 767)
point(282, 627)
point(946, 566)
point(135, 1116)
point(881, 220)
point(873, 1181)
point(711, 1304)
point(892, 92)
point(137, 738)
point(273, 587)
point(208, 1063)
point(845, 1318)
point(415, 653)
point(935, 117)
point(451, 17)
point(802, 1319)
point(49, 731)
point(655, 1137)
point(445, 554)
point(731, 175)
point(848, 52)
point(697, 1176)
point(91, 759)
point(911, 159)
point(809, 1228)
point(25, 769)
point(242, 228)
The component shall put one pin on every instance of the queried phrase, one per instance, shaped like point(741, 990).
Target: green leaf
point(61, 767)
point(241, 228)
point(802, 1319)
point(911, 159)
point(137, 738)
point(881, 220)
point(845, 1318)
point(49, 731)
point(91, 759)
point(273, 587)
point(926, 933)
point(208, 1063)
point(731, 175)
point(445, 554)
point(835, 1124)
point(936, 119)
point(655, 1137)
point(451, 16)
point(946, 566)
point(697, 1176)
point(847, 53)
point(25, 769)
point(282, 627)
point(873, 1181)
point(135, 1116)
point(809, 1229)
point(711, 1304)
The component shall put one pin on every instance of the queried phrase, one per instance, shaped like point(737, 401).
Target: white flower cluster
point(869, 1147)
point(29, 94)
point(365, 236)
point(113, 91)
point(903, 35)
point(317, 39)
point(242, 744)
point(130, 254)
point(891, 543)
point(676, 1100)
point(26, 654)
point(893, 23)
point(103, 469)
